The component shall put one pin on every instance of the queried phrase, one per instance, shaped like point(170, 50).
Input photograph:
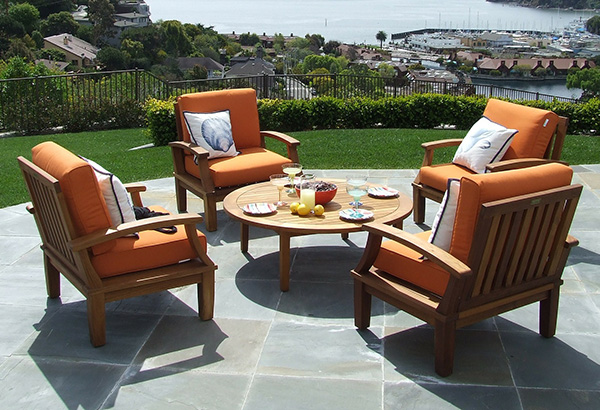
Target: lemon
point(319, 210)
point(303, 210)
point(294, 207)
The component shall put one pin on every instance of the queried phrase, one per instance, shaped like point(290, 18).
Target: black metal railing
point(36, 104)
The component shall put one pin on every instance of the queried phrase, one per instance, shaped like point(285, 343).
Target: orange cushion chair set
point(539, 139)
point(509, 246)
point(106, 262)
point(212, 178)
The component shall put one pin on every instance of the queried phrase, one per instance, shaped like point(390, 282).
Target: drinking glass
point(279, 180)
point(307, 190)
point(356, 186)
point(291, 169)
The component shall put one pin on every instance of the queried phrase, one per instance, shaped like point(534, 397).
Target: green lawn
point(324, 149)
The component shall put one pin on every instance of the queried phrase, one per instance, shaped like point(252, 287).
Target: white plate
point(259, 208)
point(356, 215)
point(382, 192)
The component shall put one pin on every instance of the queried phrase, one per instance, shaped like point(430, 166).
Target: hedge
point(414, 111)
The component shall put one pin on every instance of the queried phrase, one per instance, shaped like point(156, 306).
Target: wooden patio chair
point(106, 262)
point(540, 138)
point(509, 247)
point(211, 177)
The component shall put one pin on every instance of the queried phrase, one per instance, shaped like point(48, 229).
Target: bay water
point(358, 21)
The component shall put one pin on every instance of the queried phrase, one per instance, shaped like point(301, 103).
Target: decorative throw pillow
point(486, 142)
point(443, 224)
point(115, 195)
point(211, 131)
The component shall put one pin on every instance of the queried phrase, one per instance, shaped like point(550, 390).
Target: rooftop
point(296, 350)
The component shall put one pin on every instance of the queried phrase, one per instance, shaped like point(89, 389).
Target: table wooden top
point(388, 210)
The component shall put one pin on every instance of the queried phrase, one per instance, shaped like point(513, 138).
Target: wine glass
point(356, 186)
point(279, 180)
point(291, 169)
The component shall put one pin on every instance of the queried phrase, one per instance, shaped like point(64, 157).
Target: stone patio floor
point(296, 350)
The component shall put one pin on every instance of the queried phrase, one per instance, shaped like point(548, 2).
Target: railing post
point(335, 90)
point(265, 85)
point(137, 84)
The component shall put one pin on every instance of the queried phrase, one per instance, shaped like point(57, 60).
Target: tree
point(25, 14)
point(331, 47)
point(248, 39)
point(593, 25)
point(47, 7)
point(11, 28)
point(112, 58)
point(101, 14)
point(381, 36)
point(588, 80)
point(175, 41)
point(59, 23)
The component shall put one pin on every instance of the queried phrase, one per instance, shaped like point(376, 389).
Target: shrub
point(160, 120)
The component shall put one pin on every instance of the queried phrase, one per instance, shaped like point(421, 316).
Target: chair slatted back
point(519, 243)
point(50, 212)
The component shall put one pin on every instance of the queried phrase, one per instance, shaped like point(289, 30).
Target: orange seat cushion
point(79, 186)
point(152, 249)
point(252, 165)
point(243, 112)
point(478, 189)
point(436, 176)
point(407, 264)
point(536, 127)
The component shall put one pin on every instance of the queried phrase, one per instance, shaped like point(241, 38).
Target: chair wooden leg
point(52, 278)
point(181, 197)
point(444, 341)
point(362, 306)
point(206, 296)
point(97, 319)
point(418, 206)
point(549, 314)
point(210, 214)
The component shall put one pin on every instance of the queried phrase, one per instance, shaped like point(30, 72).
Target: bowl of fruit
point(324, 192)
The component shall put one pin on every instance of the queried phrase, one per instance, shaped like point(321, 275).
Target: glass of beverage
point(356, 186)
point(291, 169)
point(279, 180)
point(307, 190)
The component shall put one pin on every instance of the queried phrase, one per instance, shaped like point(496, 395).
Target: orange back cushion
point(478, 189)
point(536, 127)
point(242, 107)
point(79, 185)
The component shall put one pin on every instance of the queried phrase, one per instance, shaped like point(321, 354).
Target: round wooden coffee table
point(391, 211)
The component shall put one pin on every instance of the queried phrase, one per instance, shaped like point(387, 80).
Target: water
point(354, 21)
point(550, 87)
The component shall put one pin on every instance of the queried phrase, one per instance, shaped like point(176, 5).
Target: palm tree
point(381, 36)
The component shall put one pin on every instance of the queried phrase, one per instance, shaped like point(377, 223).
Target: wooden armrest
point(431, 146)
point(190, 148)
point(438, 256)
point(571, 242)
point(441, 143)
point(134, 190)
point(101, 236)
point(288, 140)
point(291, 142)
point(518, 163)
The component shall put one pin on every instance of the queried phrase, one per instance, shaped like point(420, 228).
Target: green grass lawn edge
point(321, 149)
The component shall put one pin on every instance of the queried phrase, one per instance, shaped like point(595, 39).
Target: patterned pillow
point(115, 195)
point(486, 142)
point(211, 131)
point(443, 224)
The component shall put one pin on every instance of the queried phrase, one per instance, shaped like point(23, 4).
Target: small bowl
point(321, 197)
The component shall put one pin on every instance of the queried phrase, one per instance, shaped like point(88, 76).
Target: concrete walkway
point(297, 350)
